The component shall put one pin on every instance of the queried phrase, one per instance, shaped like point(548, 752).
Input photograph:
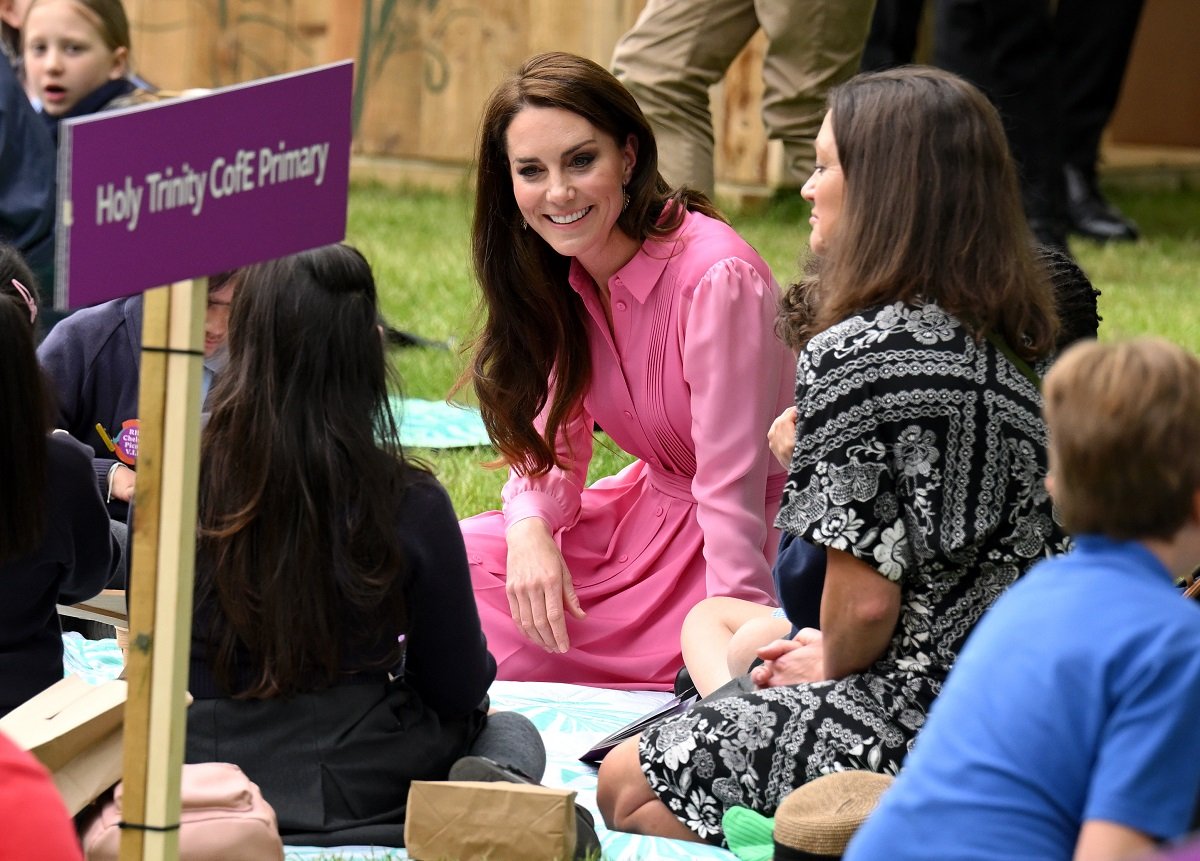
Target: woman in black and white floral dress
point(919, 461)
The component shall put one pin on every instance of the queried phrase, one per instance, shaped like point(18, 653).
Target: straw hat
point(817, 820)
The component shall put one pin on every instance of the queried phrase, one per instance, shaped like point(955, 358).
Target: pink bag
point(224, 818)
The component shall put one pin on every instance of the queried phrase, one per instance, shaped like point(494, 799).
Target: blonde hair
point(110, 21)
point(1124, 419)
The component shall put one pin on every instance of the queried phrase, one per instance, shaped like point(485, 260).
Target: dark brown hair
point(301, 471)
point(26, 410)
point(931, 212)
point(1123, 420)
point(1074, 296)
point(533, 326)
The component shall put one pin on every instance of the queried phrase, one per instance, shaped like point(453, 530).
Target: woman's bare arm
point(859, 611)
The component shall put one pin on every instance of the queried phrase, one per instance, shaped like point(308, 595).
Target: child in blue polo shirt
point(1067, 726)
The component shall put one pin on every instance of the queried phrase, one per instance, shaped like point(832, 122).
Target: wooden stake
point(163, 547)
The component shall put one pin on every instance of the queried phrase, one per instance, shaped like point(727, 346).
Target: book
point(673, 706)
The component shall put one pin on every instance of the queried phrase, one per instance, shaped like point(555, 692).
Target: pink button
point(624, 557)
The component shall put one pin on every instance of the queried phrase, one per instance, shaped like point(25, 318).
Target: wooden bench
point(108, 607)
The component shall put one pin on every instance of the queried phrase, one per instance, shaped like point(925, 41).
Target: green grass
point(419, 246)
point(1151, 287)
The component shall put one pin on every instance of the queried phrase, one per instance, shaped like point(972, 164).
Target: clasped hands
point(538, 585)
point(791, 662)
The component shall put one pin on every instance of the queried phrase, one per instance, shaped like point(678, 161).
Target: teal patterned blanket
point(570, 717)
point(437, 424)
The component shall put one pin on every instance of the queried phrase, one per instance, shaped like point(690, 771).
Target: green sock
point(749, 834)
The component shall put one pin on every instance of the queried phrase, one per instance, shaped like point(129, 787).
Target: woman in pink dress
point(612, 300)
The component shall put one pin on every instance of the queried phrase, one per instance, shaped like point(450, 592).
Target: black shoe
point(1090, 214)
point(684, 687)
point(480, 768)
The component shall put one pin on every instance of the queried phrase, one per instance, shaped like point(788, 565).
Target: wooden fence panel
point(425, 67)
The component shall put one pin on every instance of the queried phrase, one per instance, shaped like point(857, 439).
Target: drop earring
point(524, 224)
point(624, 199)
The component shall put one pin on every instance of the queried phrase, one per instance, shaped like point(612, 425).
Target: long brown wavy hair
point(301, 470)
point(533, 329)
point(931, 212)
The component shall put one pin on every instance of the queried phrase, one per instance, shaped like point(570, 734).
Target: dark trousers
point(892, 40)
point(1006, 48)
point(336, 764)
point(1093, 40)
point(1054, 76)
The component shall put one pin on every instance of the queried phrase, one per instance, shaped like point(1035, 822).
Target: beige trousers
point(680, 48)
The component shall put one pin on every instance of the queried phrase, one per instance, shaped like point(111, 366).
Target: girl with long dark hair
point(336, 652)
point(55, 545)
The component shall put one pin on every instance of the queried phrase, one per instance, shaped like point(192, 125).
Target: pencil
point(104, 436)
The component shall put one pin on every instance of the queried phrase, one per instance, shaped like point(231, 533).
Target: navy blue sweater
point(71, 564)
point(27, 164)
point(446, 658)
point(92, 360)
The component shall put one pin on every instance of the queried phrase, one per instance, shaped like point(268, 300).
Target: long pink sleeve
point(738, 372)
point(554, 497)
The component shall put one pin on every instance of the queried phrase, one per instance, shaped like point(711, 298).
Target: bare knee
point(628, 803)
point(756, 632)
point(722, 614)
point(621, 788)
point(707, 632)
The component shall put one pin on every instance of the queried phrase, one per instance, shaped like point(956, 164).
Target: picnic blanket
point(437, 424)
point(570, 718)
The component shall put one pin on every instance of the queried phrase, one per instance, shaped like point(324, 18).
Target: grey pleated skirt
point(336, 764)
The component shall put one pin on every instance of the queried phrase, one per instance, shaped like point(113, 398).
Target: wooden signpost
point(167, 194)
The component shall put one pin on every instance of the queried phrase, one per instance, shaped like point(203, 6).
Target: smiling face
point(65, 55)
point(824, 190)
point(568, 178)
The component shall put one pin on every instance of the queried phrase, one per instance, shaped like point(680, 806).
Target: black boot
point(1090, 214)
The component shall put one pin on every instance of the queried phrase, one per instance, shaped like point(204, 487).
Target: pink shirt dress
point(688, 380)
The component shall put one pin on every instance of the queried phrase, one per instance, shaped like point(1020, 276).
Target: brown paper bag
point(74, 729)
point(492, 821)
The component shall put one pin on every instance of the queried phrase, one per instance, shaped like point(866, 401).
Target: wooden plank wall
point(1160, 97)
point(425, 67)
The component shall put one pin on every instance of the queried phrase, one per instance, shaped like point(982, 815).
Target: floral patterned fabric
point(923, 454)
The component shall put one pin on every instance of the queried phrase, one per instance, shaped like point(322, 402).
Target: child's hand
point(122, 482)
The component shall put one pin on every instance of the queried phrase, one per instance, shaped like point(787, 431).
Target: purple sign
point(185, 188)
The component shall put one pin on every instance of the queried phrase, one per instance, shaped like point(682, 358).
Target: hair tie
point(29, 301)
